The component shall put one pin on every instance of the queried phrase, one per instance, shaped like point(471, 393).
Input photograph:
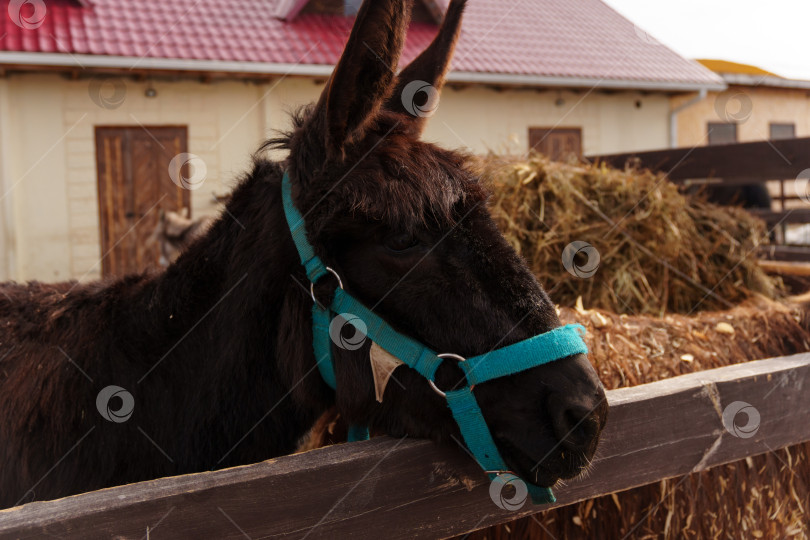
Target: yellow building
point(756, 106)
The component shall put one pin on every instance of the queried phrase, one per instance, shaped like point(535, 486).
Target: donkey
point(209, 363)
point(174, 232)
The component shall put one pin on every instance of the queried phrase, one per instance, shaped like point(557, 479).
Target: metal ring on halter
point(446, 355)
point(312, 285)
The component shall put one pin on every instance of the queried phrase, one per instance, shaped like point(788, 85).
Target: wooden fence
point(736, 165)
point(406, 489)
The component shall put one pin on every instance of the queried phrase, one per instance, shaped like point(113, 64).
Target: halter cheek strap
point(541, 349)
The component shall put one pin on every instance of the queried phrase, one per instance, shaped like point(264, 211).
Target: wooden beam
point(405, 489)
point(791, 215)
point(744, 162)
point(786, 253)
point(785, 267)
point(142, 74)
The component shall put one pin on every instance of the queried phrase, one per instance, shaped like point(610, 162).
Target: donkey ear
point(427, 72)
point(363, 77)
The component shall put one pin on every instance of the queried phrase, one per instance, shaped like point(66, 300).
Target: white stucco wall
point(485, 119)
point(50, 225)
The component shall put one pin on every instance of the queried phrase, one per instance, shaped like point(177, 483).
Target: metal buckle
point(312, 285)
point(446, 355)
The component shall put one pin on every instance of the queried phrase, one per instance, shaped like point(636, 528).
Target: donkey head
point(405, 225)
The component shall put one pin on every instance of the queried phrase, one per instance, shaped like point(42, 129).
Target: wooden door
point(556, 143)
point(134, 186)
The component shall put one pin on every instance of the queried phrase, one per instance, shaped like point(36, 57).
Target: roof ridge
point(287, 10)
point(537, 43)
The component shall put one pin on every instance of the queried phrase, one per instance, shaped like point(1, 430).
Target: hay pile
point(660, 251)
point(632, 350)
point(765, 496)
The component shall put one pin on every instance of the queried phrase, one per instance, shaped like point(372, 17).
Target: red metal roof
point(578, 40)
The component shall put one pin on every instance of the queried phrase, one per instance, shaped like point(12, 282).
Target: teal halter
point(541, 349)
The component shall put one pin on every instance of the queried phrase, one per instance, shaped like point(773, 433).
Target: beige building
point(756, 106)
point(92, 142)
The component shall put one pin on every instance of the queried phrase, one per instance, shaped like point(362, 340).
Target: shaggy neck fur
point(225, 317)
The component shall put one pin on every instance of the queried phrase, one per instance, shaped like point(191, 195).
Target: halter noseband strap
point(540, 349)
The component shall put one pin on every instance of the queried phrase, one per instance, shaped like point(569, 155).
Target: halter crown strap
point(541, 349)
point(295, 221)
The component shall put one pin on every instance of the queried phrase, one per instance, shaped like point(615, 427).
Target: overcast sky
point(771, 34)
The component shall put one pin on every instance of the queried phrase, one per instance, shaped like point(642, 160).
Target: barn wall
point(8, 241)
point(486, 119)
point(51, 156)
point(35, 159)
point(53, 164)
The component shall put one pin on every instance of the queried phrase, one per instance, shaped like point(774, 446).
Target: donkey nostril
point(574, 427)
point(578, 431)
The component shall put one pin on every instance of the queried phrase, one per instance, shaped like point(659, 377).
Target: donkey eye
point(401, 242)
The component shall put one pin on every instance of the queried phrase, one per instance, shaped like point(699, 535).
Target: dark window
point(783, 131)
point(722, 133)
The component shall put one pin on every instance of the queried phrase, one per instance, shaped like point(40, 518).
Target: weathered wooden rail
point(737, 165)
point(407, 489)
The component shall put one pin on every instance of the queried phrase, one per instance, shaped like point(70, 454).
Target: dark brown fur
point(217, 349)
